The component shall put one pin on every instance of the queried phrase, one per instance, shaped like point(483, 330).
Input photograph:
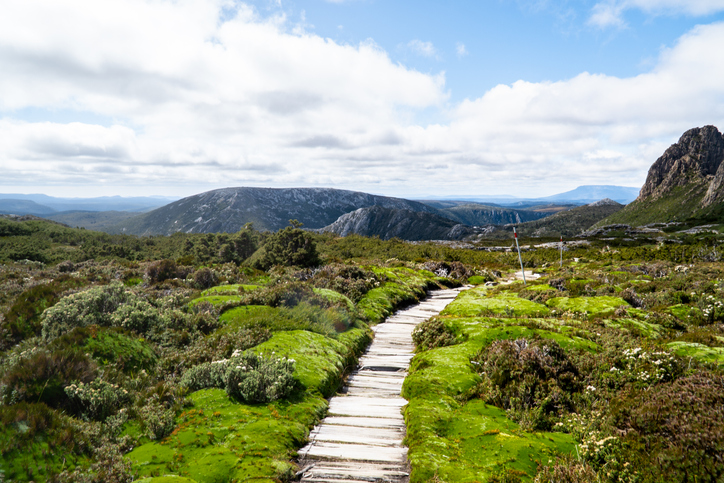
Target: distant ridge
point(229, 209)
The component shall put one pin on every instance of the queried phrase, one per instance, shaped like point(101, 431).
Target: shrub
point(290, 246)
point(96, 400)
point(530, 379)
point(675, 430)
point(349, 280)
point(158, 420)
point(207, 374)
point(432, 333)
point(567, 470)
point(205, 278)
point(259, 379)
point(108, 306)
point(247, 376)
point(163, 270)
point(23, 318)
point(41, 376)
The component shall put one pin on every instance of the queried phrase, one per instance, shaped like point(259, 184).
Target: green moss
point(594, 306)
point(542, 287)
point(471, 442)
point(129, 352)
point(476, 302)
point(466, 441)
point(35, 442)
point(167, 479)
point(335, 297)
point(647, 329)
point(704, 353)
point(221, 440)
point(215, 300)
point(320, 361)
point(229, 289)
point(684, 312)
point(477, 280)
point(236, 317)
point(404, 286)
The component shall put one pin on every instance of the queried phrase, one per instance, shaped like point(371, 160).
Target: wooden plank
point(361, 438)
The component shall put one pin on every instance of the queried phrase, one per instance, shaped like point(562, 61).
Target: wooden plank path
point(360, 440)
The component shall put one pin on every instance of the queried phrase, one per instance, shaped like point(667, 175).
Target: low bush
point(40, 375)
point(96, 400)
point(432, 333)
point(532, 379)
point(675, 431)
point(165, 270)
point(109, 306)
point(205, 278)
point(158, 419)
point(248, 376)
point(349, 280)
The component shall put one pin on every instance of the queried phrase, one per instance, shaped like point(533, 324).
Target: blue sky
point(504, 41)
point(142, 97)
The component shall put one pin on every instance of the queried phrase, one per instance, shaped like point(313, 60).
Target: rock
point(405, 224)
point(697, 156)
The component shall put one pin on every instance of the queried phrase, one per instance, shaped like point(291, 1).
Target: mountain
point(591, 193)
point(476, 214)
point(387, 223)
point(686, 182)
point(103, 203)
point(229, 209)
point(23, 207)
point(579, 196)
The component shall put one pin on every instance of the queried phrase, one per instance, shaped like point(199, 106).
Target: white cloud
point(196, 101)
point(425, 49)
point(460, 49)
point(609, 13)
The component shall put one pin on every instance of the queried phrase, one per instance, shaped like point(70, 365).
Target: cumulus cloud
point(460, 49)
point(200, 94)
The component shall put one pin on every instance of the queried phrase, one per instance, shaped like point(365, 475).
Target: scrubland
point(209, 358)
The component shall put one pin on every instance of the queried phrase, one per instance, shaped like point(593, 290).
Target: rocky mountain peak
point(605, 202)
point(697, 156)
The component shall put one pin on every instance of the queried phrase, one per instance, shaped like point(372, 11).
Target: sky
point(412, 99)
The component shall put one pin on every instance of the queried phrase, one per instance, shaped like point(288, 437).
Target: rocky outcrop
point(696, 158)
point(606, 202)
point(686, 184)
point(405, 224)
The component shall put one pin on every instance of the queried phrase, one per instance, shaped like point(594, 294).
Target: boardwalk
point(360, 440)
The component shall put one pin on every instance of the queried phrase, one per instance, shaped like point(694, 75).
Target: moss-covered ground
point(222, 440)
point(635, 322)
point(455, 434)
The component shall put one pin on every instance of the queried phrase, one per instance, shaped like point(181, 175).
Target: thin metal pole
point(561, 251)
point(522, 270)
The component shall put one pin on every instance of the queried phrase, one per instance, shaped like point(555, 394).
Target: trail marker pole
point(561, 251)
point(522, 270)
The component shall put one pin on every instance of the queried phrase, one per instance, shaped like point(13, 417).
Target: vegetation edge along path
point(361, 439)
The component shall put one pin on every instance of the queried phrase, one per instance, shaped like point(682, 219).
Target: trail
point(360, 440)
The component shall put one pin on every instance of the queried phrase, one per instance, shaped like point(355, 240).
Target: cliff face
point(696, 158)
point(387, 223)
point(685, 183)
